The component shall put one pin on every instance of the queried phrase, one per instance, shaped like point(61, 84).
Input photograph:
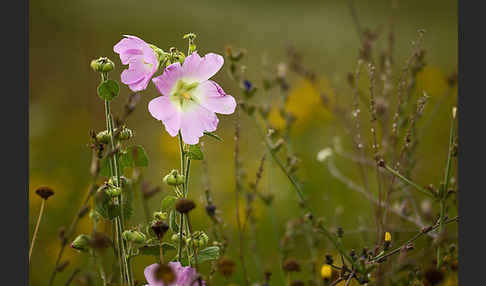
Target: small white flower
point(324, 154)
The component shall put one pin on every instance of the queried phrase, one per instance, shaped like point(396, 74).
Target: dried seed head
point(44, 192)
point(184, 205)
point(226, 267)
point(434, 276)
point(160, 228)
point(165, 274)
point(291, 265)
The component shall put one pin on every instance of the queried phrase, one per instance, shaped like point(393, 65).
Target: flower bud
point(174, 178)
point(81, 243)
point(125, 133)
point(102, 64)
point(113, 191)
point(184, 205)
point(133, 236)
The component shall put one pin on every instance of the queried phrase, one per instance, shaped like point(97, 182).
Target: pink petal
point(150, 275)
point(167, 80)
point(212, 97)
point(130, 76)
point(201, 69)
point(195, 121)
point(163, 109)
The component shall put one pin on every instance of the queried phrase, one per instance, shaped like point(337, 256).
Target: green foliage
point(108, 90)
point(154, 249)
point(211, 134)
point(168, 203)
point(207, 254)
point(134, 156)
point(194, 152)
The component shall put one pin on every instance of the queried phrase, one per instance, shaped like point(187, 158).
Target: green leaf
point(104, 205)
point(127, 192)
point(105, 167)
point(134, 156)
point(207, 254)
point(194, 152)
point(138, 155)
point(173, 221)
point(154, 249)
point(167, 203)
point(210, 134)
point(108, 90)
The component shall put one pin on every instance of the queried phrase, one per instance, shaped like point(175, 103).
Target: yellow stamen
point(186, 95)
point(387, 236)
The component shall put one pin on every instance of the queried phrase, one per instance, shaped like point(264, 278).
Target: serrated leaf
point(207, 254)
point(194, 152)
point(154, 249)
point(167, 203)
point(210, 134)
point(108, 90)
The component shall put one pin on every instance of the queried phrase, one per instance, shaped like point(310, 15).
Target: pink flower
point(184, 276)
point(190, 100)
point(141, 59)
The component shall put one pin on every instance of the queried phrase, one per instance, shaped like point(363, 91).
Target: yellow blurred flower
point(432, 81)
point(307, 99)
point(326, 271)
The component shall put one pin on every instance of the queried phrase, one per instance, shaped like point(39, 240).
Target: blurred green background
point(66, 35)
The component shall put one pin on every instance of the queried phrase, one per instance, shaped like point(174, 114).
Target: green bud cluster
point(104, 136)
point(199, 239)
point(159, 216)
point(102, 64)
point(174, 178)
point(134, 236)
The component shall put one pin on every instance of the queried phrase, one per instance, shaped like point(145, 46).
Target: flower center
point(182, 94)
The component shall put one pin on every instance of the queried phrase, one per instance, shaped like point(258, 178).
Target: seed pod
point(174, 178)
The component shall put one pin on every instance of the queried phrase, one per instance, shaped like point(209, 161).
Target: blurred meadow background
point(66, 35)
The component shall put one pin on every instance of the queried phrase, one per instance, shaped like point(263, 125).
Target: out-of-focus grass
point(65, 36)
